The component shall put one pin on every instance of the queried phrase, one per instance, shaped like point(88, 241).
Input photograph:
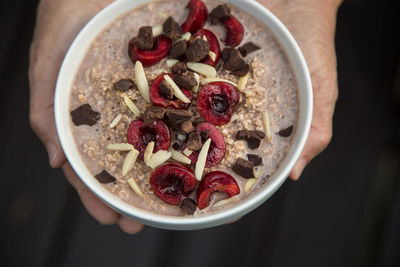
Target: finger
point(129, 226)
point(100, 211)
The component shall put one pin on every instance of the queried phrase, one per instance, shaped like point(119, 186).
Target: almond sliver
point(135, 187)
point(205, 38)
point(203, 69)
point(249, 184)
point(201, 161)
point(141, 81)
point(159, 158)
point(267, 126)
point(157, 30)
point(115, 121)
point(243, 81)
point(129, 161)
point(212, 55)
point(148, 152)
point(171, 62)
point(178, 156)
point(211, 80)
point(186, 36)
point(223, 202)
point(197, 77)
point(120, 147)
point(187, 152)
point(177, 91)
point(132, 106)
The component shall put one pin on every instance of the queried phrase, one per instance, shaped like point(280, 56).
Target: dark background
point(345, 210)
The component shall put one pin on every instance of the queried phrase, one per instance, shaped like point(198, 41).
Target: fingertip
point(298, 169)
point(56, 155)
point(129, 226)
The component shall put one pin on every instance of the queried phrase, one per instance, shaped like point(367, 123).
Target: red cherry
point(217, 148)
point(151, 57)
point(173, 181)
point(140, 134)
point(235, 31)
point(214, 46)
point(214, 182)
point(217, 101)
point(159, 100)
point(197, 16)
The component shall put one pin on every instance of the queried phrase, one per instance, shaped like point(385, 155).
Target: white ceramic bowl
point(71, 63)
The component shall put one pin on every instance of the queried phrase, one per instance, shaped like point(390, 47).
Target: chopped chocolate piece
point(234, 62)
point(197, 50)
point(85, 115)
point(220, 13)
point(176, 146)
point(189, 206)
point(241, 72)
point(198, 120)
point(153, 113)
point(145, 40)
point(172, 29)
point(260, 134)
point(166, 91)
point(194, 141)
point(244, 168)
point(177, 116)
point(253, 138)
point(186, 80)
point(226, 53)
point(125, 85)
point(253, 142)
point(105, 178)
point(248, 48)
point(204, 135)
point(186, 127)
point(256, 159)
point(286, 132)
point(179, 68)
point(178, 49)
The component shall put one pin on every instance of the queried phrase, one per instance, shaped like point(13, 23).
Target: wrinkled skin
point(312, 22)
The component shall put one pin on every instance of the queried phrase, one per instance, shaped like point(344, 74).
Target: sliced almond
point(197, 77)
point(178, 156)
point(212, 55)
point(205, 38)
point(132, 106)
point(135, 187)
point(267, 126)
point(187, 152)
point(120, 147)
point(258, 173)
point(115, 121)
point(243, 81)
point(177, 91)
point(211, 80)
point(203, 69)
point(171, 62)
point(186, 36)
point(141, 81)
point(129, 161)
point(201, 161)
point(249, 184)
point(148, 152)
point(162, 14)
point(157, 30)
point(223, 202)
point(159, 158)
point(181, 137)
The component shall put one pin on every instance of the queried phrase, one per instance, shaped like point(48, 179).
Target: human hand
point(57, 24)
point(313, 23)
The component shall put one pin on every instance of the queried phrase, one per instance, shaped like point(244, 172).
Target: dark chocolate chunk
point(260, 134)
point(253, 142)
point(226, 53)
point(256, 159)
point(235, 63)
point(166, 91)
point(153, 113)
point(105, 178)
point(286, 132)
point(194, 141)
point(125, 85)
point(178, 49)
point(85, 115)
point(220, 13)
point(186, 80)
point(244, 168)
point(172, 29)
point(241, 72)
point(189, 206)
point(179, 68)
point(197, 50)
point(248, 48)
point(186, 127)
point(176, 146)
point(176, 116)
point(145, 40)
point(253, 138)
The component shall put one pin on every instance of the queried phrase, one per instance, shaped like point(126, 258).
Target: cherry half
point(216, 181)
point(217, 101)
point(235, 31)
point(197, 16)
point(140, 134)
point(217, 148)
point(173, 181)
point(214, 46)
point(162, 46)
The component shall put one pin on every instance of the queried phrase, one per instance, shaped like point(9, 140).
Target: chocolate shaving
point(186, 80)
point(172, 29)
point(189, 206)
point(220, 13)
point(125, 85)
point(145, 40)
point(105, 178)
point(244, 168)
point(85, 115)
point(248, 48)
point(256, 159)
point(194, 141)
point(197, 50)
point(153, 113)
point(166, 91)
point(286, 132)
point(178, 49)
point(179, 68)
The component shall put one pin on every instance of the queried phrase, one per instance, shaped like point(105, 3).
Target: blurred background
point(345, 210)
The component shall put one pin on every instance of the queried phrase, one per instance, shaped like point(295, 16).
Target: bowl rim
point(61, 107)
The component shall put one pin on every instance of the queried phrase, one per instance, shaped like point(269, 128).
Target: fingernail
point(301, 164)
point(52, 152)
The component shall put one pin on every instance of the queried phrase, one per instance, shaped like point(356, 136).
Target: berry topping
point(216, 181)
point(161, 48)
point(197, 16)
point(235, 31)
point(140, 134)
point(217, 101)
point(172, 182)
point(214, 46)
